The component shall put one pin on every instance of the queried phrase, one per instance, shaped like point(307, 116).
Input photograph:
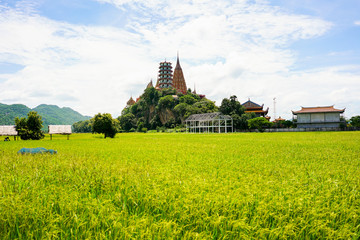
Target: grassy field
point(183, 186)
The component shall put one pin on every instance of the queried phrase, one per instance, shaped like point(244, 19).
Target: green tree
point(355, 121)
point(231, 106)
point(259, 123)
point(166, 102)
point(30, 127)
point(104, 123)
point(188, 99)
point(82, 126)
point(205, 106)
point(127, 121)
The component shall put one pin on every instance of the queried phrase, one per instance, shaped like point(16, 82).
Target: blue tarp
point(36, 150)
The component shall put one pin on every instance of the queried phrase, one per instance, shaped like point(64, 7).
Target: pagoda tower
point(165, 77)
point(178, 80)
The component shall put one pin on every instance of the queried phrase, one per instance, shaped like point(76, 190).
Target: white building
point(318, 117)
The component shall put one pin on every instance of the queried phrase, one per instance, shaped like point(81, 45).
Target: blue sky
point(92, 55)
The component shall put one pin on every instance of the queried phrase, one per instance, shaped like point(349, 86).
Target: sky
point(93, 55)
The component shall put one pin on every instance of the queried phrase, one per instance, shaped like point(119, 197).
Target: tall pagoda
point(165, 77)
point(178, 80)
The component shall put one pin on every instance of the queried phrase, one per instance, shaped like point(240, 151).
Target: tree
point(355, 121)
point(242, 122)
point(259, 123)
point(127, 121)
point(82, 126)
point(104, 123)
point(30, 127)
point(166, 102)
point(231, 106)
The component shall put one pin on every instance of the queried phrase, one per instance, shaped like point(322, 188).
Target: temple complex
point(256, 108)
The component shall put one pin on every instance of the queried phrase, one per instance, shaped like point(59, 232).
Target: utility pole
point(274, 108)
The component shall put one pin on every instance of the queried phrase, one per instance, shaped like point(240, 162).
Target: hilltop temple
point(166, 79)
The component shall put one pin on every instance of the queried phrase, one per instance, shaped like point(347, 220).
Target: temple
point(150, 84)
point(255, 108)
point(165, 77)
point(178, 80)
point(130, 102)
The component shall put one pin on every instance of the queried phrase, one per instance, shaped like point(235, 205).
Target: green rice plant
point(183, 186)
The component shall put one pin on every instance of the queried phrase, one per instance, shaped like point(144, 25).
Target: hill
point(51, 114)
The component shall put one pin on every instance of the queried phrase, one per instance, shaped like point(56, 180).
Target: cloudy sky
point(92, 55)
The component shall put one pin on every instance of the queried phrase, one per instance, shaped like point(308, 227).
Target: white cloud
point(357, 23)
point(225, 48)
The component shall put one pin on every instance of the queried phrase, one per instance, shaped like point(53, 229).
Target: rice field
point(183, 186)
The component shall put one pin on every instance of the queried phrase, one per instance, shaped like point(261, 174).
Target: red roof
point(318, 110)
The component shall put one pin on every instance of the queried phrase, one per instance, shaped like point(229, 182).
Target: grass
point(183, 186)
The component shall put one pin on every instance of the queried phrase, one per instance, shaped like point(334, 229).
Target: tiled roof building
point(255, 108)
point(318, 117)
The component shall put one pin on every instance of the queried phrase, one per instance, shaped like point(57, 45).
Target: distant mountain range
point(51, 114)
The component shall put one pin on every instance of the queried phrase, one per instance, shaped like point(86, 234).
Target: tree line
point(158, 110)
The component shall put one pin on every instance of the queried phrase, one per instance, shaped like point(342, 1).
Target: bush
point(259, 123)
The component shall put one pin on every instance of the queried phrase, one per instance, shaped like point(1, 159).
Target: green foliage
point(259, 123)
point(188, 99)
point(283, 124)
point(127, 121)
point(167, 101)
point(231, 106)
point(82, 126)
point(163, 108)
point(205, 106)
point(355, 121)
point(183, 186)
point(104, 123)
point(30, 127)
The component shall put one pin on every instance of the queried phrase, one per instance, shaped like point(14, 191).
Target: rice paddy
point(183, 186)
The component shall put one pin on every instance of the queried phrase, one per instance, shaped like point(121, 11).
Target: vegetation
point(82, 126)
point(355, 121)
point(164, 108)
point(104, 123)
point(30, 127)
point(50, 114)
point(201, 186)
point(233, 108)
point(259, 123)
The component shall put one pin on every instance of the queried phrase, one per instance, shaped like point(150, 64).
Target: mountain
point(51, 114)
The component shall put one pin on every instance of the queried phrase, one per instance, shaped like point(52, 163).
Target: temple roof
point(130, 102)
point(318, 110)
point(150, 85)
point(251, 105)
